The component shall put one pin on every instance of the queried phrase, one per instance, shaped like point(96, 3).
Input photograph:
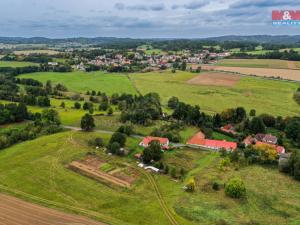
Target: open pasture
point(79, 81)
point(272, 197)
point(16, 64)
point(42, 51)
point(266, 96)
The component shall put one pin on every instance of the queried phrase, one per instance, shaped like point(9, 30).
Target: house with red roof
point(164, 142)
point(229, 128)
point(198, 140)
point(256, 141)
point(266, 138)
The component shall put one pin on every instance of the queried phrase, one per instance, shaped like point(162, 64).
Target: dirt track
point(215, 79)
point(14, 211)
point(263, 72)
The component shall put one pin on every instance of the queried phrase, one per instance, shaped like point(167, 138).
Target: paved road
point(176, 145)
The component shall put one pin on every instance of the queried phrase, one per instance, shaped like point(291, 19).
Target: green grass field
point(266, 96)
point(16, 64)
point(220, 136)
point(33, 51)
point(272, 198)
point(68, 115)
point(38, 168)
point(82, 81)
point(255, 63)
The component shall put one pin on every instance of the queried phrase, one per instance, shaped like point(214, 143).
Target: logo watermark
point(286, 17)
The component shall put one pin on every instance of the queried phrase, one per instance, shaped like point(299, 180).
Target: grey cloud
point(119, 6)
point(263, 3)
point(140, 7)
point(191, 5)
point(195, 5)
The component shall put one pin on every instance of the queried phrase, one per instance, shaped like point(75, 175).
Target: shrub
point(297, 97)
point(284, 165)
point(77, 105)
point(99, 142)
point(173, 102)
point(110, 111)
point(152, 152)
point(221, 222)
point(174, 172)
point(166, 170)
point(235, 188)
point(257, 125)
point(87, 122)
point(114, 148)
point(190, 185)
point(119, 138)
point(268, 120)
point(252, 112)
point(126, 129)
point(215, 186)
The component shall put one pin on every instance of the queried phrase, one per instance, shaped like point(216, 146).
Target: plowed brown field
point(215, 79)
point(263, 72)
point(14, 211)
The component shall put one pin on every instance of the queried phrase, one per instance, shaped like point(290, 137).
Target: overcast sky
point(141, 18)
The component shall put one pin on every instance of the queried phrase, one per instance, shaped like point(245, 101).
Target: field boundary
point(133, 84)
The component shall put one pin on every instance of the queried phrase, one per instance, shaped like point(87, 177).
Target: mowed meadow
point(264, 95)
point(16, 64)
point(79, 81)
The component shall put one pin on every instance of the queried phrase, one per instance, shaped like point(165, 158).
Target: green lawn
point(81, 81)
point(32, 51)
point(261, 94)
point(220, 136)
point(16, 64)
point(266, 96)
point(255, 63)
point(38, 168)
point(272, 197)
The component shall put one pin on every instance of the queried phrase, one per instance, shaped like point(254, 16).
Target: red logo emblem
point(286, 15)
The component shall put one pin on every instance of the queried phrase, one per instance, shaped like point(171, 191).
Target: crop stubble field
point(287, 74)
